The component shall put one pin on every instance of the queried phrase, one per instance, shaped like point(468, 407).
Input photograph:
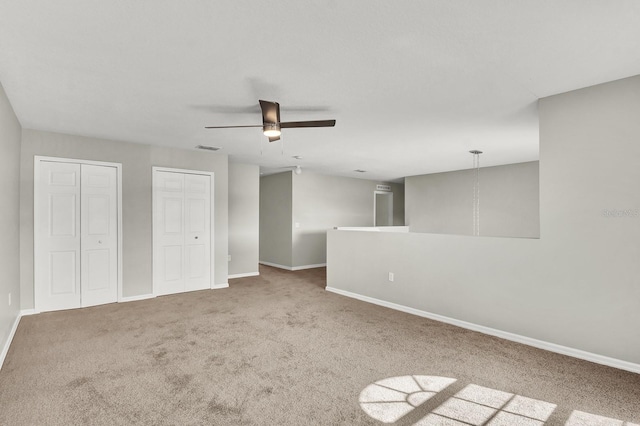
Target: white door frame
point(390, 194)
point(212, 255)
point(37, 159)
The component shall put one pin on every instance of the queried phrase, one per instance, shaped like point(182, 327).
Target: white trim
point(219, 286)
point(26, 312)
point(212, 241)
point(275, 265)
point(293, 268)
point(120, 234)
point(5, 349)
point(540, 344)
point(318, 265)
point(36, 178)
point(246, 274)
point(125, 299)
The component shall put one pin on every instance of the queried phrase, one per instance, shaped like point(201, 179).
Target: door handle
point(196, 238)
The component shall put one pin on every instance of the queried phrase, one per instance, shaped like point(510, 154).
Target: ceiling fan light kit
point(271, 124)
point(271, 130)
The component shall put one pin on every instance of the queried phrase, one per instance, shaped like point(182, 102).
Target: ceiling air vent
point(208, 148)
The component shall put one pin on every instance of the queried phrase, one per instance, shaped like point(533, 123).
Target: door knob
point(196, 238)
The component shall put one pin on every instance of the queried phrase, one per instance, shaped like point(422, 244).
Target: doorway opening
point(382, 208)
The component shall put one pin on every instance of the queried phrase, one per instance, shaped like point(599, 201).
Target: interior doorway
point(383, 208)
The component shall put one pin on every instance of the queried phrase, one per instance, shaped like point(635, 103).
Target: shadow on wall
point(309, 247)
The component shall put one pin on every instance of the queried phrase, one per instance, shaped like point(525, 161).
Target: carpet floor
point(278, 349)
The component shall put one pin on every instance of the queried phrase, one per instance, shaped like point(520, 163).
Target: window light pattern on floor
point(391, 399)
point(477, 405)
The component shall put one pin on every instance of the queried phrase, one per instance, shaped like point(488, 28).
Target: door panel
point(57, 236)
point(173, 267)
point(59, 177)
point(198, 232)
point(182, 232)
point(98, 217)
point(172, 210)
point(62, 215)
point(196, 260)
point(63, 273)
point(98, 272)
point(168, 221)
point(99, 228)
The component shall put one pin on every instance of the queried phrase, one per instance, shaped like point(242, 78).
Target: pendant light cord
point(476, 192)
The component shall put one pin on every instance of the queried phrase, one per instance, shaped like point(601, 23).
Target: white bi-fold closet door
point(182, 230)
point(76, 233)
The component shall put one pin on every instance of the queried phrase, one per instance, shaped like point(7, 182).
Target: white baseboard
point(298, 268)
point(293, 268)
point(275, 265)
point(25, 312)
point(552, 347)
point(218, 286)
point(246, 274)
point(135, 298)
point(7, 344)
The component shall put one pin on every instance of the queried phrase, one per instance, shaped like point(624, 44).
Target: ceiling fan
point(271, 124)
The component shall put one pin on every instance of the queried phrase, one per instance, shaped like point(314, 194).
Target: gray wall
point(442, 203)
point(576, 286)
point(137, 161)
point(9, 217)
point(323, 202)
point(275, 219)
point(244, 218)
point(297, 210)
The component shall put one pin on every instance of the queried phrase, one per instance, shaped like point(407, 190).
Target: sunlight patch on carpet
point(580, 418)
point(389, 400)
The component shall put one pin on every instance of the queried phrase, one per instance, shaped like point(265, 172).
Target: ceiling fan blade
point(274, 138)
point(270, 111)
point(226, 109)
point(316, 123)
point(232, 127)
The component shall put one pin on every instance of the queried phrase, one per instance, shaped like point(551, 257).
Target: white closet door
point(57, 236)
point(168, 221)
point(197, 250)
point(99, 235)
point(182, 232)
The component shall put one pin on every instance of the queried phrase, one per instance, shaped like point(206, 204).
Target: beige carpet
point(279, 350)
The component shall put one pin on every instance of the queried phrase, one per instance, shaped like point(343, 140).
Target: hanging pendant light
point(476, 192)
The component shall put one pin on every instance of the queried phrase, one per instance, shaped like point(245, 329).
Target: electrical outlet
point(9, 299)
point(229, 258)
point(391, 276)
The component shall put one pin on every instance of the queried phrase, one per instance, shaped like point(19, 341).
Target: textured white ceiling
point(413, 85)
